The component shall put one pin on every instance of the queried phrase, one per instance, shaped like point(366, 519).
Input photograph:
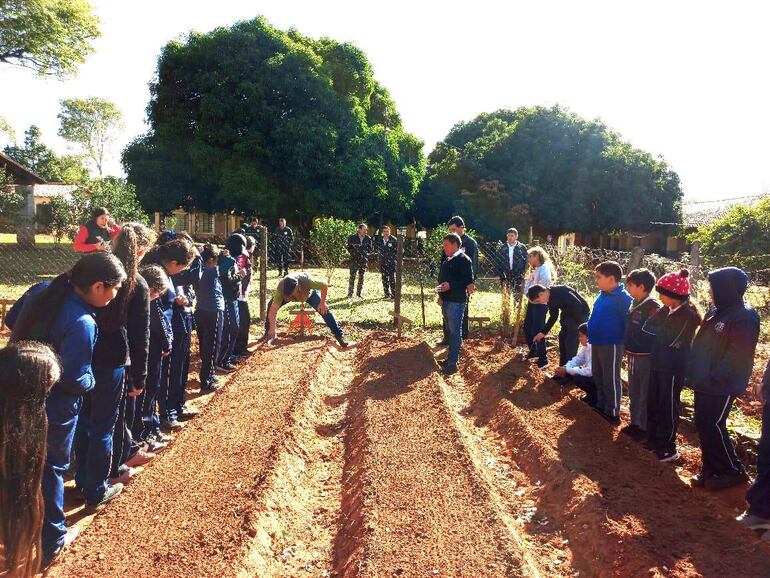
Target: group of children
point(667, 344)
point(116, 331)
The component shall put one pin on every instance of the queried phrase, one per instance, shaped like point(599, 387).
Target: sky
point(684, 80)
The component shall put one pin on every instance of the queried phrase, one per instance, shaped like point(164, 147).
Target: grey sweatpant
point(606, 361)
point(639, 373)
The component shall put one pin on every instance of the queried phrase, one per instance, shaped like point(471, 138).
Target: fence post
point(263, 275)
point(506, 309)
point(695, 263)
point(399, 276)
point(637, 254)
point(422, 291)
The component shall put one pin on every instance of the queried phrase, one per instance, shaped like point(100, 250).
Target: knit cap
point(675, 285)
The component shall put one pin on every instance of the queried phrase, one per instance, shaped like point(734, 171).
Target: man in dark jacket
point(469, 247)
point(359, 247)
point(455, 281)
point(511, 262)
point(386, 247)
point(254, 229)
point(720, 366)
point(567, 306)
point(284, 239)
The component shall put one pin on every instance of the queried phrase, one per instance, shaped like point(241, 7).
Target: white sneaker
point(72, 533)
point(753, 522)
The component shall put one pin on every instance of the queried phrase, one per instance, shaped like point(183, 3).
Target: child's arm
point(75, 352)
point(737, 363)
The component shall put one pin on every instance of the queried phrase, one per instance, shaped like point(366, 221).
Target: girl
point(173, 256)
point(534, 319)
point(28, 370)
point(114, 350)
point(208, 317)
point(231, 287)
point(244, 315)
point(62, 313)
point(97, 233)
point(673, 327)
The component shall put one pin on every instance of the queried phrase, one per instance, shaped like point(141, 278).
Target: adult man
point(359, 247)
point(386, 247)
point(455, 282)
point(283, 239)
point(511, 262)
point(301, 287)
point(568, 307)
point(254, 229)
point(470, 248)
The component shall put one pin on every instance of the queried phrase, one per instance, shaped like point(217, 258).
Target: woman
point(542, 274)
point(62, 313)
point(97, 233)
point(115, 349)
point(28, 370)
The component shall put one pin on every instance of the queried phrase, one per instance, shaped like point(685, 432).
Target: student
point(721, 363)
point(97, 233)
point(28, 371)
point(511, 262)
point(99, 412)
point(209, 312)
point(534, 319)
point(638, 345)
point(578, 369)
point(566, 306)
point(244, 315)
point(607, 326)
point(455, 281)
point(173, 254)
point(757, 516)
point(673, 327)
point(230, 277)
point(62, 313)
point(301, 287)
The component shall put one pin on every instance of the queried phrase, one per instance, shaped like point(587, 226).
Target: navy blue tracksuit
point(758, 495)
point(209, 312)
point(231, 288)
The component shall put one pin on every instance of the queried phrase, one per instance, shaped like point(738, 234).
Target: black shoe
point(442, 343)
point(533, 356)
point(344, 344)
point(171, 426)
point(724, 481)
point(612, 419)
point(225, 368)
point(542, 364)
point(386, 298)
point(667, 455)
point(634, 432)
point(699, 480)
point(188, 414)
point(210, 388)
point(350, 296)
point(443, 362)
point(449, 369)
point(587, 400)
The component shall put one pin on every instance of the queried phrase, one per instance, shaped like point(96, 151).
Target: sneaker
point(612, 419)
point(533, 355)
point(154, 446)
point(344, 344)
point(587, 400)
point(210, 388)
point(110, 494)
point(449, 369)
point(724, 481)
point(140, 458)
point(667, 455)
point(542, 365)
point(699, 480)
point(72, 533)
point(225, 368)
point(171, 426)
point(753, 522)
point(187, 414)
point(126, 476)
point(443, 362)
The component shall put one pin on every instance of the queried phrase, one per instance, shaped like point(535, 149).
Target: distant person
point(639, 345)
point(97, 233)
point(720, 367)
point(607, 328)
point(386, 247)
point(534, 319)
point(511, 262)
point(254, 229)
point(28, 371)
point(566, 306)
point(578, 370)
point(359, 247)
point(284, 239)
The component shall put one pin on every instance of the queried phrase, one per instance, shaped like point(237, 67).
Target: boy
point(607, 326)
point(639, 344)
point(721, 363)
point(567, 306)
point(578, 369)
point(455, 281)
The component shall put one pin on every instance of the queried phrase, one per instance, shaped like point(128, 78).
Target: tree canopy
point(549, 168)
point(258, 120)
point(50, 37)
point(39, 157)
point(92, 124)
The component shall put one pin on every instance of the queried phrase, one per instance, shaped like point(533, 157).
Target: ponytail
point(175, 249)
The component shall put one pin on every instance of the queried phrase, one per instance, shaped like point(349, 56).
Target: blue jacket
point(723, 351)
point(607, 323)
point(210, 297)
point(72, 334)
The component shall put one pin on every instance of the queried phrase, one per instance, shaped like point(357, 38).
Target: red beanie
point(675, 285)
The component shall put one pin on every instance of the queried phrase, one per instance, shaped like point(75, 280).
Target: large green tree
point(39, 157)
point(92, 124)
point(549, 168)
point(254, 119)
point(50, 37)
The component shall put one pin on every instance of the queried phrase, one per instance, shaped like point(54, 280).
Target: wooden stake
point(263, 276)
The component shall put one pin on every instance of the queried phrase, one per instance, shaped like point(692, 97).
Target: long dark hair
point(36, 317)
point(97, 212)
point(175, 249)
point(27, 371)
point(132, 238)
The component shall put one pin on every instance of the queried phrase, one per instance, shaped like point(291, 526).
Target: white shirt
point(581, 363)
point(542, 275)
point(675, 309)
point(510, 254)
point(458, 252)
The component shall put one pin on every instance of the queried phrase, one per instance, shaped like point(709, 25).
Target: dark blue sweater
point(210, 297)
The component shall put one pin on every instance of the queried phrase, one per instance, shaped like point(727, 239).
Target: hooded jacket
point(723, 351)
point(607, 323)
point(637, 341)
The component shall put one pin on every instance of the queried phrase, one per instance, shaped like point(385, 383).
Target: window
point(205, 223)
point(182, 222)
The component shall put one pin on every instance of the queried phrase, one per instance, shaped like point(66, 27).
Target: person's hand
point(181, 300)
point(135, 393)
point(241, 273)
point(166, 353)
point(471, 288)
point(539, 337)
point(323, 308)
point(443, 287)
point(560, 372)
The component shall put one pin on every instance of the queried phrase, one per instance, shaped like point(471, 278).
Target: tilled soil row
point(190, 513)
point(413, 503)
point(625, 514)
